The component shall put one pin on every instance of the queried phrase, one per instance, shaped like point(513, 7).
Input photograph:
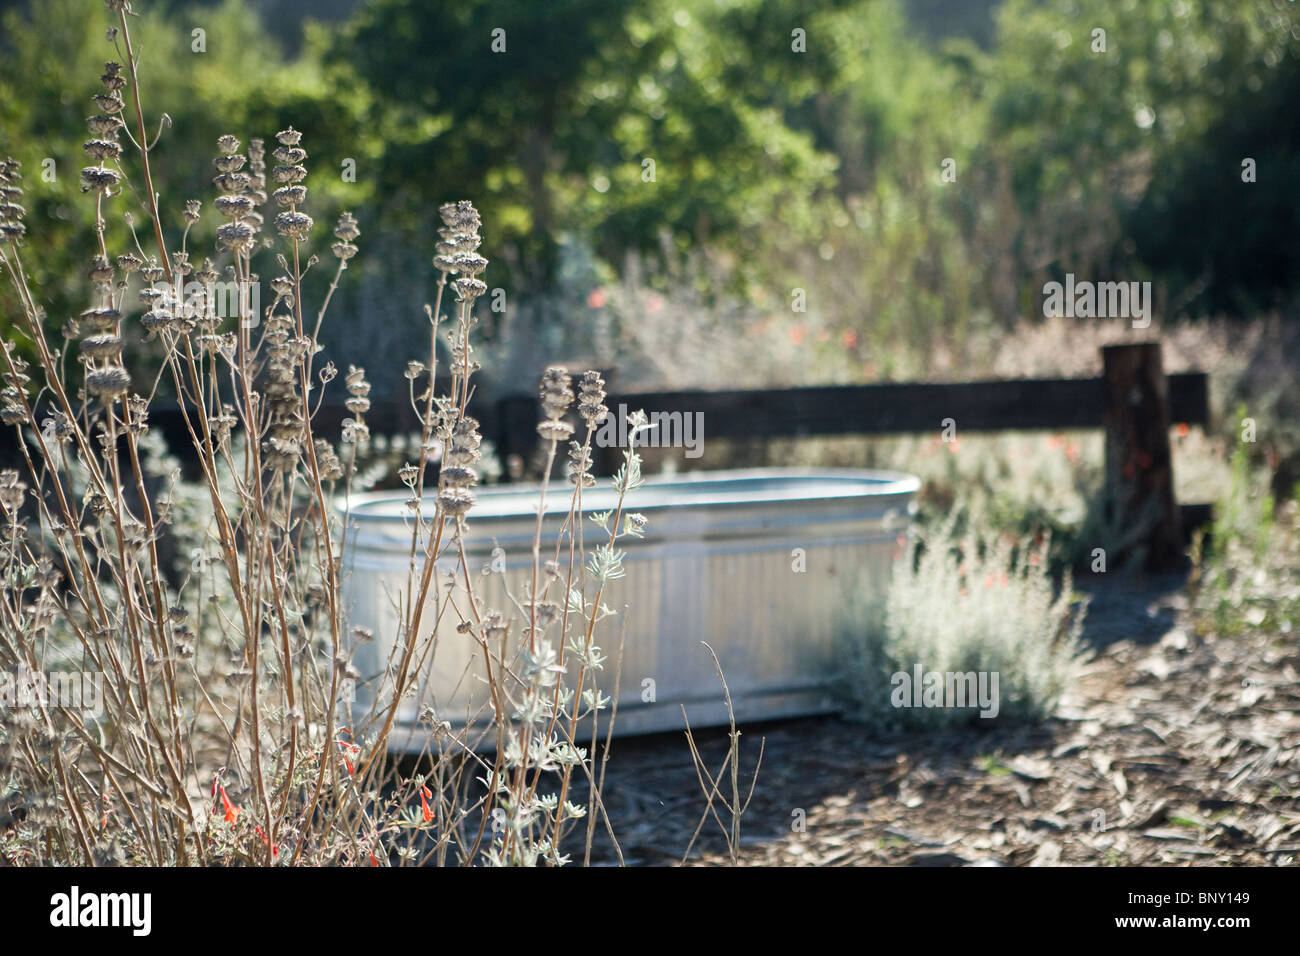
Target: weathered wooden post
point(1139, 464)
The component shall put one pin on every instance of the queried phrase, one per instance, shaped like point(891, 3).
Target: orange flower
point(850, 339)
point(797, 334)
point(425, 794)
point(596, 298)
point(1183, 429)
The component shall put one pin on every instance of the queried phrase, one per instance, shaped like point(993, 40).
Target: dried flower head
point(106, 346)
point(102, 149)
point(12, 492)
point(12, 410)
point(356, 381)
point(345, 231)
point(236, 236)
point(110, 103)
point(460, 215)
point(469, 263)
point(151, 271)
point(347, 228)
point(99, 178)
point(101, 272)
point(232, 207)
point(591, 398)
point(104, 126)
point(108, 383)
point(556, 392)
point(580, 465)
point(456, 501)
point(293, 225)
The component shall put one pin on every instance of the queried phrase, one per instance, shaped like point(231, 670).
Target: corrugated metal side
point(726, 575)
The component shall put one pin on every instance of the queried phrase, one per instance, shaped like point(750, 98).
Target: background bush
point(965, 600)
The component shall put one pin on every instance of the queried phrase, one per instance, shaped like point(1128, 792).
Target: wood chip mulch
point(1174, 749)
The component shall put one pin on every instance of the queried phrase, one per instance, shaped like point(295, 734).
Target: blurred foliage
point(1246, 571)
point(616, 119)
point(52, 59)
point(817, 169)
point(1120, 159)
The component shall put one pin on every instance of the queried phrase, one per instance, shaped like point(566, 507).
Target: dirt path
point(1175, 749)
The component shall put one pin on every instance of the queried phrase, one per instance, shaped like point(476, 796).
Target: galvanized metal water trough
point(758, 563)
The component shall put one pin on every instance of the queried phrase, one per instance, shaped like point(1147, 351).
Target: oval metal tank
point(761, 564)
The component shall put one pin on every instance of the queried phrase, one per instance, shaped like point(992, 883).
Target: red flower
point(275, 850)
point(596, 298)
point(425, 794)
point(232, 811)
point(349, 750)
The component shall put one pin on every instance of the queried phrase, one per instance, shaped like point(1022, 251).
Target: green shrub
point(1246, 572)
point(963, 600)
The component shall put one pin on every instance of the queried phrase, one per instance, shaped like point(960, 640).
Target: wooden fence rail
point(1028, 404)
point(1134, 401)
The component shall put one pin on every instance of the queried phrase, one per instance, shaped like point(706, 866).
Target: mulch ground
point(1174, 749)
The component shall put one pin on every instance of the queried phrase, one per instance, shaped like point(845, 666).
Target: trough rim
point(884, 483)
